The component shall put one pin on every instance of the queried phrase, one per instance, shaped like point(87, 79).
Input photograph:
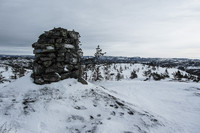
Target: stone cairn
point(57, 56)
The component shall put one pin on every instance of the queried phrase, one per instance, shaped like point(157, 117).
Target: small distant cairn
point(57, 56)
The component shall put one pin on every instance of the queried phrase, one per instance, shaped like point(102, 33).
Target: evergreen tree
point(153, 68)
point(178, 75)
point(185, 76)
point(120, 69)
point(119, 76)
point(21, 72)
point(147, 74)
point(133, 75)
point(107, 72)
point(85, 76)
point(15, 72)
point(1, 78)
point(166, 71)
point(166, 74)
point(115, 68)
point(125, 67)
point(99, 52)
point(97, 74)
point(6, 68)
point(157, 76)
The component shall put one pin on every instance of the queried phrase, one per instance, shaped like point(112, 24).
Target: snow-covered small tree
point(15, 72)
point(107, 72)
point(115, 68)
point(121, 69)
point(157, 76)
point(185, 76)
point(153, 68)
point(133, 74)
point(166, 74)
point(99, 52)
point(166, 71)
point(119, 76)
point(6, 68)
point(97, 74)
point(21, 72)
point(1, 78)
point(147, 74)
point(85, 76)
point(178, 75)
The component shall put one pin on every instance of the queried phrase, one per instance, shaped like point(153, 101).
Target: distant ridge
point(15, 56)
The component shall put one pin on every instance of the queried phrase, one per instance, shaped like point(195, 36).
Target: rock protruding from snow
point(55, 52)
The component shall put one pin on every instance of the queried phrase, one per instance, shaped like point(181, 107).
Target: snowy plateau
point(109, 105)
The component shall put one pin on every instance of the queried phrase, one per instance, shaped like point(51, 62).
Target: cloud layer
point(156, 28)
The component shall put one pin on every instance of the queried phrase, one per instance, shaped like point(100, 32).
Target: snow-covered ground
point(177, 102)
point(113, 106)
point(69, 107)
point(125, 106)
point(7, 72)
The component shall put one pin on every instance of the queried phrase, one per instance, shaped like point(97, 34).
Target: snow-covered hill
point(69, 106)
point(178, 103)
point(109, 106)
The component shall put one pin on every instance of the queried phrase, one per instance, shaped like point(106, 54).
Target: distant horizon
point(109, 56)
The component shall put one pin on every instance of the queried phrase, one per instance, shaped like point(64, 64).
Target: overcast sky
point(145, 28)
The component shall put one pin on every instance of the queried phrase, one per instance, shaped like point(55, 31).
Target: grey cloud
point(113, 24)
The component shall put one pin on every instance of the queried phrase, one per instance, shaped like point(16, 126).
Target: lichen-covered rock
point(57, 56)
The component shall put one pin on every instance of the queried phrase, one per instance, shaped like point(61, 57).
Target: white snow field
point(178, 103)
point(127, 106)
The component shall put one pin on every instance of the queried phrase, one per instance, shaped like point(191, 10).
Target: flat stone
point(83, 81)
point(38, 51)
point(61, 54)
point(68, 41)
point(59, 40)
point(45, 58)
point(75, 74)
point(47, 63)
point(73, 61)
point(65, 75)
point(69, 46)
point(51, 77)
point(63, 33)
point(51, 41)
point(70, 67)
point(39, 81)
point(63, 50)
point(60, 59)
point(38, 69)
point(40, 55)
point(51, 69)
point(51, 55)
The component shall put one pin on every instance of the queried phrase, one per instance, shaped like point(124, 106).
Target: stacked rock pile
point(57, 56)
